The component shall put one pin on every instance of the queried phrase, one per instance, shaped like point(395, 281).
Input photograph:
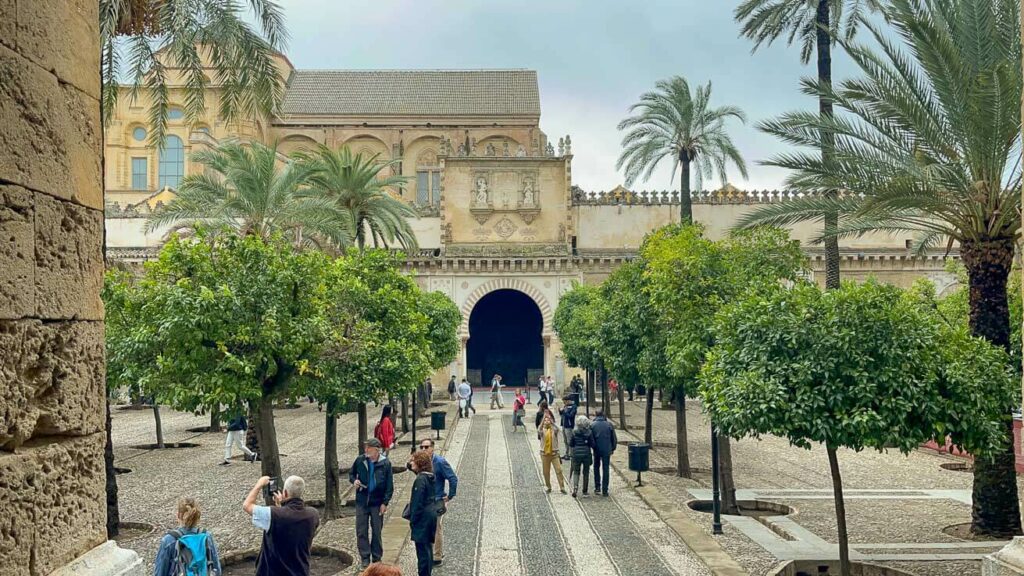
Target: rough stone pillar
point(1008, 561)
point(52, 373)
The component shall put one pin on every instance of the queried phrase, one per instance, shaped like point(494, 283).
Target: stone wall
point(52, 505)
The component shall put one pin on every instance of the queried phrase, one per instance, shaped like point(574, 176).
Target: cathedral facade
point(501, 230)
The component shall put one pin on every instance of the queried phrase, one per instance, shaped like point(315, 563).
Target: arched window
point(172, 163)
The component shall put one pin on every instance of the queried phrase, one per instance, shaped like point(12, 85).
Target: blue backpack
point(193, 554)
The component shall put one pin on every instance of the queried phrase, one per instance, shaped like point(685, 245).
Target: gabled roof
point(412, 92)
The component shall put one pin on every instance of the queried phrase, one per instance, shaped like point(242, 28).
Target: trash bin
point(437, 420)
point(639, 457)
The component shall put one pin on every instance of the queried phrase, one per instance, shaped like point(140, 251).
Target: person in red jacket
point(385, 429)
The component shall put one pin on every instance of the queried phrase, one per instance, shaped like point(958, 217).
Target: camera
point(273, 486)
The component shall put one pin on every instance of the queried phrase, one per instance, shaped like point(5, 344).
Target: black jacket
point(569, 416)
point(237, 423)
point(286, 546)
point(422, 509)
point(582, 442)
point(605, 440)
point(383, 478)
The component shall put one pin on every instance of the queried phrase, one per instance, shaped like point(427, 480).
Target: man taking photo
point(373, 478)
point(288, 528)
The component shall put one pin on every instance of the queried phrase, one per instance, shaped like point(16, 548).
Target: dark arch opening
point(505, 338)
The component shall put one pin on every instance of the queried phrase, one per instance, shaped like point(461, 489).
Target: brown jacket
point(555, 433)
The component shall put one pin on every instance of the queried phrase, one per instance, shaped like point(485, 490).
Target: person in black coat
point(373, 478)
point(605, 443)
point(582, 446)
point(422, 512)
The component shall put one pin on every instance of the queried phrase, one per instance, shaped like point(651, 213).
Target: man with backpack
point(372, 476)
point(187, 551)
point(288, 528)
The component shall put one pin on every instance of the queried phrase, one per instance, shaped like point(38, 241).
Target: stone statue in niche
point(481, 191)
point(446, 233)
point(445, 146)
point(561, 232)
point(462, 150)
point(504, 149)
point(472, 147)
point(529, 196)
point(520, 152)
point(489, 150)
point(550, 150)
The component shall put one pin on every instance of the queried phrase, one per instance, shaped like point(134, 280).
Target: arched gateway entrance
point(505, 338)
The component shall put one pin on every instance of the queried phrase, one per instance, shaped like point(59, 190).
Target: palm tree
point(672, 122)
point(816, 25)
point(930, 143)
point(357, 185)
point(141, 39)
point(244, 189)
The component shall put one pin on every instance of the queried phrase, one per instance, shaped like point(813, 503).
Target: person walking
point(518, 410)
point(576, 387)
point(549, 454)
point(496, 392)
point(199, 543)
point(236, 436)
point(605, 442)
point(373, 479)
point(451, 388)
point(469, 402)
point(542, 410)
point(551, 390)
point(446, 483)
point(384, 431)
point(568, 414)
point(422, 512)
point(288, 528)
point(465, 391)
point(582, 443)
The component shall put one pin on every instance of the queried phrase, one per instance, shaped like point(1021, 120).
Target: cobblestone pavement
point(504, 523)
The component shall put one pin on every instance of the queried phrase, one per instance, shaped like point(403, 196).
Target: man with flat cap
point(372, 476)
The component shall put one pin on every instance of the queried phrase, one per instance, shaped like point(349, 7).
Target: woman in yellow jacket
point(549, 453)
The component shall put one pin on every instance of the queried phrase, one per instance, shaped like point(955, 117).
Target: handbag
point(440, 508)
point(407, 512)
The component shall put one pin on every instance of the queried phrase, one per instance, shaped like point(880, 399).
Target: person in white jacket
point(465, 391)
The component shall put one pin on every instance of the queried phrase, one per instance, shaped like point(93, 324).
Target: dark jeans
point(370, 547)
point(601, 463)
point(424, 558)
point(579, 469)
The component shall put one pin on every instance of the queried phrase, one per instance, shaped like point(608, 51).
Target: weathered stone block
point(60, 35)
point(53, 376)
point(68, 260)
point(17, 252)
point(8, 23)
point(52, 503)
point(51, 133)
point(107, 559)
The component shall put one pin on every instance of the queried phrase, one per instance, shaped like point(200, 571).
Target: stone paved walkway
point(504, 523)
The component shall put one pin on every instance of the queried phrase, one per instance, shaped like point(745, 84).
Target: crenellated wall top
point(728, 195)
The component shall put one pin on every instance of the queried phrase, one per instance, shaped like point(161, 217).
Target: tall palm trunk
point(332, 497)
point(159, 425)
point(649, 416)
point(996, 507)
point(682, 446)
point(824, 51)
point(685, 201)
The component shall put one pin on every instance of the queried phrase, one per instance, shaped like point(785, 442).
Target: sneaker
point(437, 561)
point(549, 490)
point(225, 463)
point(563, 491)
point(605, 494)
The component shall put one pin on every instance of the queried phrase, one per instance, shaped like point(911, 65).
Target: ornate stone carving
point(504, 149)
point(446, 233)
point(462, 150)
point(568, 145)
point(506, 250)
point(480, 195)
point(520, 152)
point(529, 195)
point(550, 150)
point(561, 146)
point(505, 228)
point(489, 150)
point(445, 146)
point(561, 232)
point(472, 147)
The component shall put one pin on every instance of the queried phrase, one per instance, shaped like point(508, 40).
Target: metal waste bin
point(639, 459)
point(437, 421)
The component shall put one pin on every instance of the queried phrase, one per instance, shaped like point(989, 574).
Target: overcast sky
point(593, 57)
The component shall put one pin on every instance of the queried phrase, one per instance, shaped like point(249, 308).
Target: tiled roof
point(415, 92)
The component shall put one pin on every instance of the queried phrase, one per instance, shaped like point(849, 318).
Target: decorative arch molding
point(369, 141)
point(295, 142)
point(507, 284)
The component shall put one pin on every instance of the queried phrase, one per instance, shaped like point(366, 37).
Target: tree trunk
point(622, 409)
point(113, 512)
point(590, 390)
point(266, 434)
point(682, 448)
point(996, 507)
point(649, 417)
point(214, 419)
point(252, 441)
point(606, 405)
point(831, 219)
point(405, 413)
point(685, 200)
point(837, 488)
point(332, 497)
point(726, 481)
point(361, 411)
point(159, 425)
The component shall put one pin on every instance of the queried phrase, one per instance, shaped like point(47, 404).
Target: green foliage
point(130, 344)
point(864, 366)
point(626, 318)
point(210, 41)
point(765, 21)
point(443, 319)
point(577, 321)
point(246, 189)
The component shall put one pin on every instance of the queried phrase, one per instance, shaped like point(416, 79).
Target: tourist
point(542, 410)
point(422, 512)
point(551, 390)
point(518, 410)
point(496, 392)
point(445, 485)
point(576, 387)
point(236, 436)
point(469, 401)
point(385, 429)
point(288, 528)
point(373, 479)
point(605, 443)
point(568, 413)
point(451, 388)
point(542, 390)
point(187, 535)
point(613, 387)
point(549, 452)
point(465, 391)
point(582, 443)
point(381, 569)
